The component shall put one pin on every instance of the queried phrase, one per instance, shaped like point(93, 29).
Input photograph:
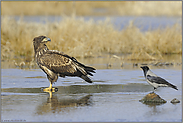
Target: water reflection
point(154, 110)
point(153, 104)
point(56, 105)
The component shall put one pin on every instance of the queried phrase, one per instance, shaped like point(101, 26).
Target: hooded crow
point(155, 80)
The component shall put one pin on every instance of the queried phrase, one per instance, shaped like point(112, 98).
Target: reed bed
point(80, 38)
point(96, 8)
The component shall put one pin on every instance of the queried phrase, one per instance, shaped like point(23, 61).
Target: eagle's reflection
point(55, 105)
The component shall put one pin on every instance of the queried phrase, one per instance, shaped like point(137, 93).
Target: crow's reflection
point(55, 105)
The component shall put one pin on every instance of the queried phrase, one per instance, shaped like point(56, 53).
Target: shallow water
point(113, 96)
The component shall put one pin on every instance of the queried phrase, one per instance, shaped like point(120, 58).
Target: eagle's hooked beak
point(46, 40)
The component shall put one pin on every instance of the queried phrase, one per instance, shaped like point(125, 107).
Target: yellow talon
point(50, 89)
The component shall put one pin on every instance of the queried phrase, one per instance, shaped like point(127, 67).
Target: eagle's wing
point(60, 63)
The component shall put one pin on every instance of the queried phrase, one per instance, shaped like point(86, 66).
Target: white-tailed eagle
point(55, 63)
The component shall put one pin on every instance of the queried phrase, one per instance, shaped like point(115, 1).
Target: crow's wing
point(160, 80)
point(156, 79)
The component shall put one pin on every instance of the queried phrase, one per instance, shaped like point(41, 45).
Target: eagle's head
point(40, 42)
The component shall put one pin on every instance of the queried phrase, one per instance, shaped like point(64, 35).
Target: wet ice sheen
point(114, 96)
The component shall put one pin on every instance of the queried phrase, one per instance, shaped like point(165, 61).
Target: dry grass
point(157, 42)
point(80, 38)
point(134, 8)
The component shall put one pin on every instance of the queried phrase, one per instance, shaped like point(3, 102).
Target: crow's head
point(145, 69)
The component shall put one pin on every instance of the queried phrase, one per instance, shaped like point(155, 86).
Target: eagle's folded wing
point(60, 64)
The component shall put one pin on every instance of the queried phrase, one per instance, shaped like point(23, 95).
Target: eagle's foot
point(49, 89)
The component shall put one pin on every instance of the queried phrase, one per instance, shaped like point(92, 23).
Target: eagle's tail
point(89, 70)
point(173, 86)
point(86, 78)
point(86, 70)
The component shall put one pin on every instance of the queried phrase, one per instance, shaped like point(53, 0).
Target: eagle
point(57, 64)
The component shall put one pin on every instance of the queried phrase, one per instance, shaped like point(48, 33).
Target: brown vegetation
point(80, 38)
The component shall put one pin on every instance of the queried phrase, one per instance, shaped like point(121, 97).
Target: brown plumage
point(55, 63)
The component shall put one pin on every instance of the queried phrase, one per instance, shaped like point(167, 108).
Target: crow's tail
point(173, 86)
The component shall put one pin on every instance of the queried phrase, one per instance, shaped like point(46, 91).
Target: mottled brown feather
point(55, 63)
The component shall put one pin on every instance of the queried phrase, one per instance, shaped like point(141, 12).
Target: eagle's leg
point(50, 87)
point(51, 80)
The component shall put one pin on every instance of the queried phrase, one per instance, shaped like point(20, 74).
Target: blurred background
point(104, 34)
point(114, 37)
